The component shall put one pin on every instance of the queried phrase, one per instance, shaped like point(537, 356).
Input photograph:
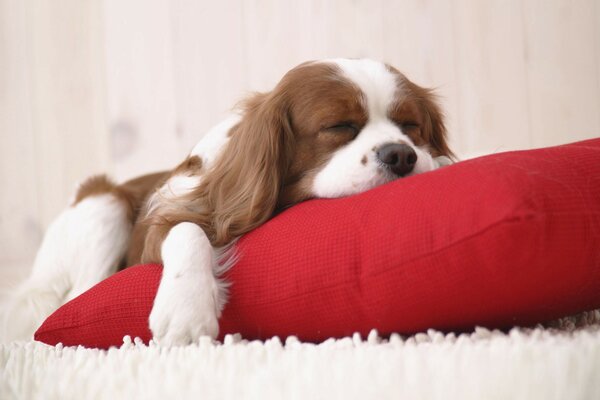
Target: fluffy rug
point(561, 361)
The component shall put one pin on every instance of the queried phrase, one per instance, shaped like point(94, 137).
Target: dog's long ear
point(243, 186)
point(433, 129)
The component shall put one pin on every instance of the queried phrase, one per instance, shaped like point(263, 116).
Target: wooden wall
point(129, 86)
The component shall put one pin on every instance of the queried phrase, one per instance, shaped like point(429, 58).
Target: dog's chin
point(384, 176)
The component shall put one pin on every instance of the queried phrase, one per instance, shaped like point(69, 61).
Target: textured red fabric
point(502, 240)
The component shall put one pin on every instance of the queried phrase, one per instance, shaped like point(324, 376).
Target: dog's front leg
point(186, 305)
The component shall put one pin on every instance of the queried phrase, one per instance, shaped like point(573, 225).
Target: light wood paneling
point(209, 59)
point(355, 28)
point(491, 76)
point(67, 102)
point(561, 59)
point(278, 35)
point(19, 207)
point(140, 86)
point(53, 112)
point(596, 43)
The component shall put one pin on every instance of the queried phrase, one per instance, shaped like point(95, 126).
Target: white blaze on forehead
point(378, 84)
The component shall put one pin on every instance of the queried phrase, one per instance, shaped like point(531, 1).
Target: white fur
point(187, 303)
point(208, 149)
point(175, 187)
point(345, 174)
point(81, 247)
point(179, 185)
point(211, 145)
point(378, 85)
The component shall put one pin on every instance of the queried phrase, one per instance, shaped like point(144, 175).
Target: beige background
point(128, 86)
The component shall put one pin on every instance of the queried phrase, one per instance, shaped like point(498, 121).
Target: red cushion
point(506, 239)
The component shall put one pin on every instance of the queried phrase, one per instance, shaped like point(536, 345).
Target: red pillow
point(506, 239)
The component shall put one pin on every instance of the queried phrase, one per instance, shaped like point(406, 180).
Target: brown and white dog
point(330, 128)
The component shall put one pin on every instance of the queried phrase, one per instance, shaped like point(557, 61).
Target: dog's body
point(329, 129)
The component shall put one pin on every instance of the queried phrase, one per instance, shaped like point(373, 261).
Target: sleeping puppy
point(329, 128)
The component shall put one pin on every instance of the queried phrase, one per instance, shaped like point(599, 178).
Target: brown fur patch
point(94, 186)
point(146, 242)
point(138, 190)
point(363, 160)
point(322, 101)
point(149, 232)
point(100, 184)
point(417, 111)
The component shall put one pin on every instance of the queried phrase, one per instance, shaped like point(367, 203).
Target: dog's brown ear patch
point(420, 104)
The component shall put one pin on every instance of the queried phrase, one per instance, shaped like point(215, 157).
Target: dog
point(330, 128)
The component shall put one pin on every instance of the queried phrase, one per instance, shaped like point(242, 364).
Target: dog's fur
point(330, 128)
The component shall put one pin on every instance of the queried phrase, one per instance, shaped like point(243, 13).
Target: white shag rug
point(559, 362)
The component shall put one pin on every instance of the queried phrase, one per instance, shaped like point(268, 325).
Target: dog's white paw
point(186, 305)
point(180, 317)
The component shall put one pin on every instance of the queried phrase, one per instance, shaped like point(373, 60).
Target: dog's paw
point(181, 317)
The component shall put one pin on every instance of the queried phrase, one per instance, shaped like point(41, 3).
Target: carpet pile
point(559, 361)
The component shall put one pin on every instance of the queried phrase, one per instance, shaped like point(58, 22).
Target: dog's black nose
point(400, 158)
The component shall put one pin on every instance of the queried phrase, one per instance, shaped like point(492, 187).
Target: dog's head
point(329, 128)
